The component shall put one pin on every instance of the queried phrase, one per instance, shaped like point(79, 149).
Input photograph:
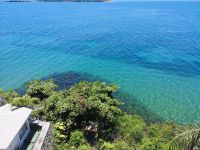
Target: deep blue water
point(151, 49)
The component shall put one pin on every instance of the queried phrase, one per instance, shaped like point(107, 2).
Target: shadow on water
point(131, 104)
point(176, 66)
point(128, 55)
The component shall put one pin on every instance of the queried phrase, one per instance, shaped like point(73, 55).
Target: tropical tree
point(88, 106)
point(187, 140)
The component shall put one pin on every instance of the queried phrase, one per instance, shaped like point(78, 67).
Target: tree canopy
point(87, 105)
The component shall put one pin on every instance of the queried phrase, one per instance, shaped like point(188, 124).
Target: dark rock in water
point(65, 80)
point(68, 79)
point(2, 101)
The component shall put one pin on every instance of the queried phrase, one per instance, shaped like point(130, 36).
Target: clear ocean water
point(151, 49)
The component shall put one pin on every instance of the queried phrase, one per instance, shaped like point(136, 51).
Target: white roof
point(11, 121)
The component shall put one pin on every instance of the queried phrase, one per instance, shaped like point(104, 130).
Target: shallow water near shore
point(151, 49)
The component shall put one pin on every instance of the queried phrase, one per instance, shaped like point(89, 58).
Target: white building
point(14, 126)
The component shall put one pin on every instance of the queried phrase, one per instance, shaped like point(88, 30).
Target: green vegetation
point(88, 117)
point(8, 95)
point(132, 128)
point(25, 101)
point(40, 89)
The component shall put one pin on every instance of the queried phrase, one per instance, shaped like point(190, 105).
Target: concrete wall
point(47, 144)
point(14, 145)
point(26, 133)
point(17, 142)
point(44, 141)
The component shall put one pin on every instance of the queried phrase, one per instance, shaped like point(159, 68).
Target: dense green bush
point(85, 147)
point(118, 145)
point(40, 89)
point(132, 128)
point(25, 101)
point(87, 105)
point(151, 144)
point(122, 145)
point(76, 139)
point(9, 95)
point(107, 146)
point(60, 132)
point(61, 146)
point(164, 131)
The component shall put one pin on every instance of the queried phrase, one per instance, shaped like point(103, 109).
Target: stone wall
point(47, 144)
point(44, 141)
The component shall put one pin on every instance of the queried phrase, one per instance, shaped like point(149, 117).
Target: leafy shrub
point(132, 128)
point(107, 146)
point(40, 89)
point(151, 144)
point(122, 145)
point(82, 105)
point(59, 132)
point(85, 147)
point(76, 139)
point(168, 131)
point(8, 95)
point(165, 132)
point(118, 145)
point(25, 101)
point(61, 146)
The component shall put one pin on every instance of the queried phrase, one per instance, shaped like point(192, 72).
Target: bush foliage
point(40, 89)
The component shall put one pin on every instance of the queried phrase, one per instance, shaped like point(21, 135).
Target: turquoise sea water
point(151, 49)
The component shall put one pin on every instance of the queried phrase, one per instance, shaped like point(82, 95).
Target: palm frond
point(186, 140)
